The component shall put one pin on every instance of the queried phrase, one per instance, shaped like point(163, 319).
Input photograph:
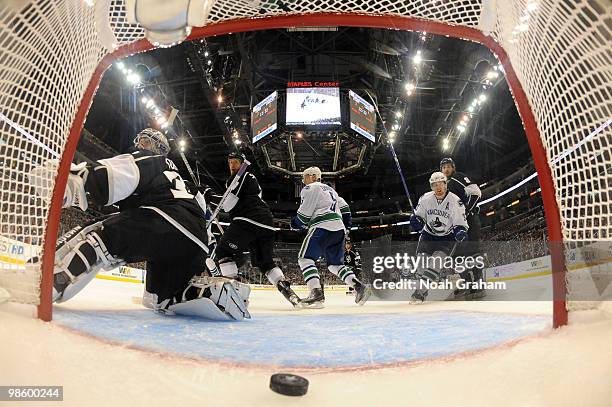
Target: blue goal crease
point(315, 341)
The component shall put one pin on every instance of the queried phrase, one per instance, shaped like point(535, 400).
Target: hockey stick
point(397, 164)
point(229, 189)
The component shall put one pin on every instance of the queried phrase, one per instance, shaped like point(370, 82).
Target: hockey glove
point(296, 223)
point(416, 223)
point(460, 233)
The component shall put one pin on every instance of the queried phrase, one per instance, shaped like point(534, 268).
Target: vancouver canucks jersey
point(321, 207)
point(441, 215)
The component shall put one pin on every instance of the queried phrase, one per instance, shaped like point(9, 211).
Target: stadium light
point(482, 97)
point(133, 78)
point(209, 62)
point(206, 53)
point(395, 126)
point(417, 59)
point(182, 143)
point(237, 141)
point(298, 134)
point(398, 114)
point(461, 128)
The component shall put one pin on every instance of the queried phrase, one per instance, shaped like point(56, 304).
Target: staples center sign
point(314, 84)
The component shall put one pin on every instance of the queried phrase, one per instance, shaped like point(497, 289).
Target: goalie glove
point(42, 178)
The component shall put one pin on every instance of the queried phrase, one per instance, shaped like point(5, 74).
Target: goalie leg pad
point(243, 289)
point(79, 256)
point(208, 297)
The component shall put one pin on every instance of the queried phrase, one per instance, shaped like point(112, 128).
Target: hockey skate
point(315, 300)
point(362, 292)
point(418, 297)
point(285, 289)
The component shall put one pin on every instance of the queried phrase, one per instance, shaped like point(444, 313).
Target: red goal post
point(57, 45)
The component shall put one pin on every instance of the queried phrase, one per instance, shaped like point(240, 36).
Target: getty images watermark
point(411, 268)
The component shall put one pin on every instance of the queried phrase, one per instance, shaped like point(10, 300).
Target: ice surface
point(567, 367)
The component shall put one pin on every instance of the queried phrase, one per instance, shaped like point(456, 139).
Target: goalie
point(160, 221)
point(440, 218)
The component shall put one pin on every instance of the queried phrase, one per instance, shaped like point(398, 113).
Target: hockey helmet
point(447, 160)
point(316, 171)
point(437, 177)
point(158, 142)
point(236, 156)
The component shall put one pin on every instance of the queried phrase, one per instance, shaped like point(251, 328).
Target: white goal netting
point(560, 50)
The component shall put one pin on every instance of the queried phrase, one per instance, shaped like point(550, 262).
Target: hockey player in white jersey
point(440, 217)
point(320, 213)
point(159, 221)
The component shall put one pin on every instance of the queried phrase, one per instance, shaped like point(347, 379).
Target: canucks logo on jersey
point(441, 216)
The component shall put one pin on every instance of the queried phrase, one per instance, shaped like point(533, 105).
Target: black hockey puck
point(288, 384)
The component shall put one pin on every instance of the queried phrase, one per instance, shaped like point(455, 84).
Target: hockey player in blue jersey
point(320, 212)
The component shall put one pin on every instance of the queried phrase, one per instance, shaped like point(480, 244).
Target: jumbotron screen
point(363, 116)
point(313, 106)
point(264, 118)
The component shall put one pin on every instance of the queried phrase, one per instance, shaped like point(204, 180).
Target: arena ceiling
point(449, 74)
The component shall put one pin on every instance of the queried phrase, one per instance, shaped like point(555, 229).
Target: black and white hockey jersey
point(352, 258)
point(143, 179)
point(467, 190)
point(249, 205)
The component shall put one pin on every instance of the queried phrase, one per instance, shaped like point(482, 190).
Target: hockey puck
point(288, 384)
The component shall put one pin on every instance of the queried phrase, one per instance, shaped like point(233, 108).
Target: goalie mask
point(152, 140)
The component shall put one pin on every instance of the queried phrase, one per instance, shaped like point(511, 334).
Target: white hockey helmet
point(316, 171)
point(158, 142)
point(437, 177)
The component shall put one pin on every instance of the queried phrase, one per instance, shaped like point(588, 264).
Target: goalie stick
point(229, 189)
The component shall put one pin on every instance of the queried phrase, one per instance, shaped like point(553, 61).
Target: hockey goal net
point(556, 54)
